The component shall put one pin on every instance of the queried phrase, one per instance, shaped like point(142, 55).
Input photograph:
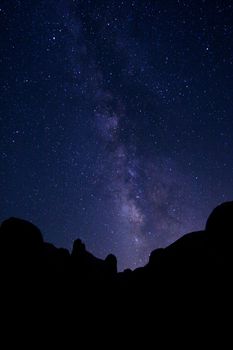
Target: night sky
point(116, 119)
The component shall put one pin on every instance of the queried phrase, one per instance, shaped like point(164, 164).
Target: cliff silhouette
point(192, 276)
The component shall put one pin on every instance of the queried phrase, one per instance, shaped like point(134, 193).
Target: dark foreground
point(189, 280)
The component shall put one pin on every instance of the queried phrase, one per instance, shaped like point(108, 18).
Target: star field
point(116, 120)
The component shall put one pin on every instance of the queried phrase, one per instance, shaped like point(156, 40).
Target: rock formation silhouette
point(190, 275)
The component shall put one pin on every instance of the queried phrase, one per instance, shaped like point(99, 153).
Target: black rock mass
point(197, 266)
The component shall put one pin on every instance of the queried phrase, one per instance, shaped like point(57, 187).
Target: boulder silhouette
point(111, 264)
point(86, 265)
point(79, 248)
point(219, 225)
point(219, 229)
point(21, 240)
point(21, 258)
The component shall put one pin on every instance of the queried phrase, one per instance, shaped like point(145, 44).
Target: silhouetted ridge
point(193, 272)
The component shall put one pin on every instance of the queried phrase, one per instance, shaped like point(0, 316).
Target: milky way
point(116, 120)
